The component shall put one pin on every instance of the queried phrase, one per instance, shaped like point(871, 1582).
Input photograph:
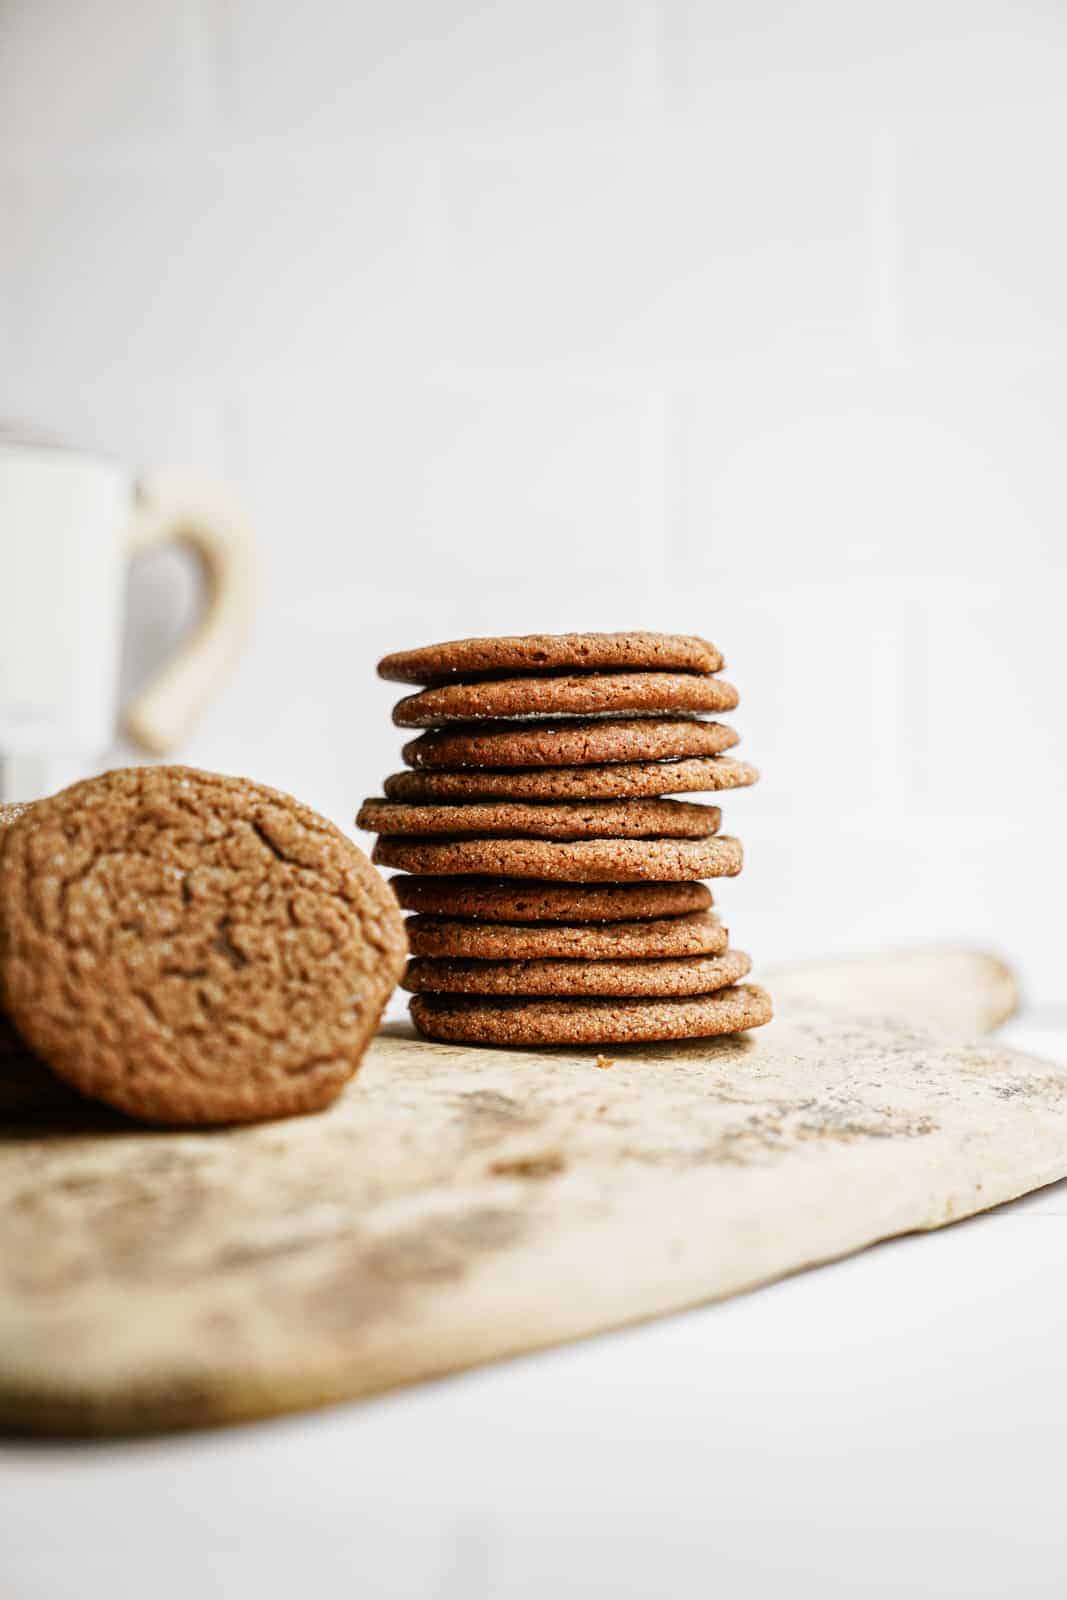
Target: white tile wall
point(746, 319)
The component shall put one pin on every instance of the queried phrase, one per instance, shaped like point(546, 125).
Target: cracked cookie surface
point(192, 948)
point(26, 1085)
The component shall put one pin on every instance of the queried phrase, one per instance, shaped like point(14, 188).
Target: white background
point(747, 320)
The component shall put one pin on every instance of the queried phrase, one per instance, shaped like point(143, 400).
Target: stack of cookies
point(556, 890)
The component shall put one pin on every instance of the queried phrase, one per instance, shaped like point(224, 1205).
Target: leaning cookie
point(465, 1019)
point(191, 948)
point(572, 860)
point(665, 976)
point(598, 694)
point(573, 819)
point(621, 780)
point(26, 1085)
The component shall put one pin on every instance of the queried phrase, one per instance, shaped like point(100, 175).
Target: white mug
point(68, 524)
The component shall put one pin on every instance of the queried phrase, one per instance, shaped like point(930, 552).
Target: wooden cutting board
point(460, 1204)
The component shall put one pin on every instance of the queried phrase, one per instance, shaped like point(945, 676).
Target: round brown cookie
point(26, 1085)
point(573, 743)
point(570, 819)
point(574, 695)
point(694, 934)
point(192, 948)
point(552, 652)
point(573, 860)
point(460, 1019)
point(514, 900)
point(665, 976)
point(620, 781)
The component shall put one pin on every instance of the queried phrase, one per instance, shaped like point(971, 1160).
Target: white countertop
point(892, 1424)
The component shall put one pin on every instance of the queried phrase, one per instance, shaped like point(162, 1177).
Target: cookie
point(696, 933)
point(573, 860)
point(513, 900)
point(571, 695)
point(620, 781)
point(192, 948)
point(667, 976)
point(26, 1085)
point(570, 819)
point(463, 1020)
point(573, 743)
point(548, 652)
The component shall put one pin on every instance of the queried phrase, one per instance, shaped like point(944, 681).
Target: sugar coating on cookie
point(191, 948)
point(621, 780)
point(693, 933)
point(667, 975)
point(574, 742)
point(546, 652)
point(508, 900)
point(572, 860)
point(464, 1019)
point(574, 819)
point(572, 695)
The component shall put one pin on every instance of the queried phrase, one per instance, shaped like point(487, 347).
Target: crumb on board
point(605, 1061)
point(536, 1166)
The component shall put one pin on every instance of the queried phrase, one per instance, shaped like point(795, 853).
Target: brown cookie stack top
point(555, 889)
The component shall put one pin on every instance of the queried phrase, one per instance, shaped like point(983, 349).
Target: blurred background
point(741, 320)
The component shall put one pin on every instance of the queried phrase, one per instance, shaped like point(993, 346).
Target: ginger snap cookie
point(556, 884)
point(573, 743)
point(546, 652)
point(594, 819)
point(463, 1019)
point(695, 933)
point(494, 900)
point(26, 1085)
point(619, 781)
point(192, 948)
point(570, 695)
point(665, 976)
point(573, 860)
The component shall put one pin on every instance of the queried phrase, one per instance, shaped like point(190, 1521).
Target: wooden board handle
point(954, 991)
point(201, 514)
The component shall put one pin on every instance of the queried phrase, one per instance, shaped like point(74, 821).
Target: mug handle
point(201, 514)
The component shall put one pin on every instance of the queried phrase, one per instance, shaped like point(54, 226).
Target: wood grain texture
point(458, 1205)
